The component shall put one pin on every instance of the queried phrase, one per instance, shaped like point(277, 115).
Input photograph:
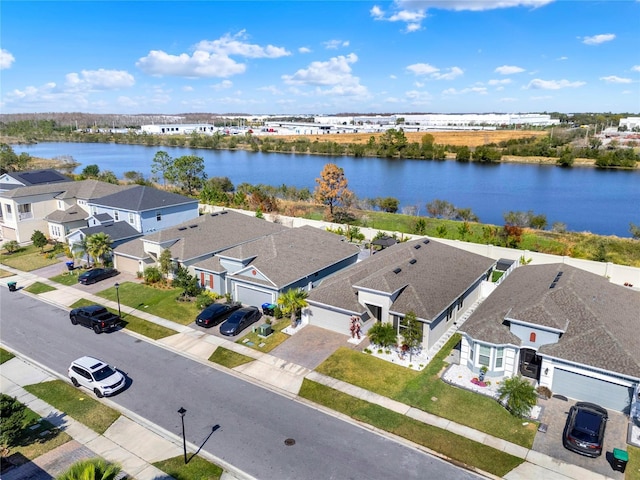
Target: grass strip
point(135, 324)
point(5, 356)
point(229, 358)
point(75, 402)
point(29, 258)
point(196, 469)
point(38, 287)
point(426, 391)
point(266, 344)
point(38, 437)
point(5, 273)
point(633, 467)
point(455, 447)
point(67, 278)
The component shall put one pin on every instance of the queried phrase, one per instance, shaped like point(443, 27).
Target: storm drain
point(289, 441)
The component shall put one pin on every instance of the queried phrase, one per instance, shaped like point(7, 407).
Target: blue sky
point(306, 57)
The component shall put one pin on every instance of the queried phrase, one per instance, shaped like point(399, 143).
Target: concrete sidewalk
point(283, 377)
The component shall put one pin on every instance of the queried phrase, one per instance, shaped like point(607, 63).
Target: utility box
point(620, 459)
point(264, 330)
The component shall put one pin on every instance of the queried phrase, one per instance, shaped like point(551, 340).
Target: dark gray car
point(239, 320)
point(584, 430)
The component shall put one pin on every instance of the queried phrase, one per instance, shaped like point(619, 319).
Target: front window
point(499, 357)
point(131, 219)
point(116, 215)
point(484, 357)
point(24, 208)
point(158, 215)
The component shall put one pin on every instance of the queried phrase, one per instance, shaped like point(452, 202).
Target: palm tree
point(292, 301)
point(520, 395)
point(92, 469)
point(383, 334)
point(79, 249)
point(99, 246)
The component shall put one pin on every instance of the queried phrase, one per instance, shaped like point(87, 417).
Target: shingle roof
point(139, 198)
point(211, 233)
point(291, 254)
point(70, 215)
point(428, 277)
point(600, 320)
point(38, 177)
point(116, 231)
point(132, 248)
point(84, 189)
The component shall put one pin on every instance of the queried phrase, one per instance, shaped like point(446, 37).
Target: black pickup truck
point(96, 317)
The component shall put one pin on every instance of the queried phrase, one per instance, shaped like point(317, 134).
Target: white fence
point(618, 274)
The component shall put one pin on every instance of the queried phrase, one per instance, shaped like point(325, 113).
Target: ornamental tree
point(332, 187)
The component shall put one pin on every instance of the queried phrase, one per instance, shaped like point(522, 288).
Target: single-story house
point(192, 241)
point(436, 282)
point(258, 271)
point(572, 331)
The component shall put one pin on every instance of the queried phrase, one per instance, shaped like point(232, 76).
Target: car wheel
point(98, 393)
point(96, 329)
point(74, 320)
point(75, 382)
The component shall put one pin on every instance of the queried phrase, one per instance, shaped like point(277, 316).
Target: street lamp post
point(117, 285)
point(182, 411)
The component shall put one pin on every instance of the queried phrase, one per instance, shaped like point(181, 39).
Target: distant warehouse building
point(179, 129)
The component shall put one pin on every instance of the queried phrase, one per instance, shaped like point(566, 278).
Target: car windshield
point(104, 372)
point(586, 426)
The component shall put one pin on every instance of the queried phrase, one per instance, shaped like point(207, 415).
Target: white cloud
point(335, 44)
point(407, 16)
point(472, 5)
point(464, 91)
point(377, 13)
point(503, 81)
point(636, 68)
point(615, 79)
point(100, 80)
point(393, 77)
point(272, 89)
point(425, 69)
point(304, 50)
point(187, 88)
point(539, 84)
point(419, 84)
point(223, 85)
point(417, 97)
point(6, 59)
point(562, 58)
point(508, 70)
point(598, 39)
point(209, 58)
point(508, 99)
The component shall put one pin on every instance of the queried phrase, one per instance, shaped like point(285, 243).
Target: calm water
point(585, 199)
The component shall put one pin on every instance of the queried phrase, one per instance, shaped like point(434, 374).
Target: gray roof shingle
point(117, 231)
point(70, 215)
point(600, 320)
point(430, 278)
point(140, 198)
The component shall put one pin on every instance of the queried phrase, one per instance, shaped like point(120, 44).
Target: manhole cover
point(289, 441)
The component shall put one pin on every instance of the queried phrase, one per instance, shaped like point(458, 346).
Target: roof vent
point(397, 271)
point(193, 226)
point(182, 228)
point(426, 242)
point(224, 212)
point(553, 285)
point(412, 261)
point(417, 246)
point(214, 214)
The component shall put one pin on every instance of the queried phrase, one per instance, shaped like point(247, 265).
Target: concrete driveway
point(554, 416)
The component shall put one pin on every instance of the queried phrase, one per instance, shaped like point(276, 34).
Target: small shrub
point(544, 392)
point(152, 275)
point(204, 300)
point(367, 350)
point(379, 351)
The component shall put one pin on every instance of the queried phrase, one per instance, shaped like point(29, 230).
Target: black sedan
point(96, 274)
point(239, 320)
point(214, 314)
point(584, 430)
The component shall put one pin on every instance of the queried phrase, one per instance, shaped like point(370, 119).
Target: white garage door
point(588, 389)
point(251, 296)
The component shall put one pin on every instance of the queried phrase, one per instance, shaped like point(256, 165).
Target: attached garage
point(126, 264)
point(614, 396)
point(252, 296)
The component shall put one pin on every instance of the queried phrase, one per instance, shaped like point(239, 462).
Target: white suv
point(96, 375)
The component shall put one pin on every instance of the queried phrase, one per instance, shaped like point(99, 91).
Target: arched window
point(532, 337)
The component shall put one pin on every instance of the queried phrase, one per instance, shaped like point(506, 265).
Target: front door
point(530, 363)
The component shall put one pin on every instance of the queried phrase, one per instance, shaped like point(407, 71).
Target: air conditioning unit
point(264, 330)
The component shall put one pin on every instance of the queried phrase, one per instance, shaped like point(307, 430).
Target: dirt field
point(470, 139)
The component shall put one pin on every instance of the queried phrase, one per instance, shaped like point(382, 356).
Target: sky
point(328, 57)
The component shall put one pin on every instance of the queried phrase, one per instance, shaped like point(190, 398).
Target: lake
point(584, 198)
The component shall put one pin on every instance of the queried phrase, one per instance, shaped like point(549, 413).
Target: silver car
point(97, 376)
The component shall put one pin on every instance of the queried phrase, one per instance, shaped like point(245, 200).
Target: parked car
point(584, 430)
point(96, 274)
point(239, 320)
point(96, 317)
point(97, 376)
point(215, 314)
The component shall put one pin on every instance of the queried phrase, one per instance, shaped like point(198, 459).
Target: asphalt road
point(253, 422)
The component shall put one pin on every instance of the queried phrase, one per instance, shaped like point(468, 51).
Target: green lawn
point(5, 273)
point(78, 403)
point(135, 324)
point(454, 446)
point(268, 343)
point(38, 287)
point(66, 278)
point(29, 258)
point(156, 301)
point(228, 358)
point(633, 467)
point(197, 468)
point(34, 441)
point(419, 389)
point(5, 356)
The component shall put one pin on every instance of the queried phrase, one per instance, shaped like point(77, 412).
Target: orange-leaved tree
point(332, 187)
